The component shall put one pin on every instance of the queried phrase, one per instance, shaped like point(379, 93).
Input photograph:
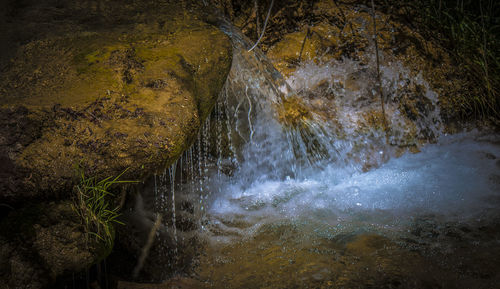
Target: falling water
point(335, 166)
point(328, 173)
point(171, 174)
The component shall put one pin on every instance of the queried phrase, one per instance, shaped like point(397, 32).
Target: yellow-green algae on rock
point(106, 101)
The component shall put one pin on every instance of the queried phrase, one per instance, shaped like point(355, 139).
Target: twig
point(7, 206)
point(304, 42)
point(384, 120)
point(264, 28)
point(123, 198)
point(344, 18)
point(147, 247)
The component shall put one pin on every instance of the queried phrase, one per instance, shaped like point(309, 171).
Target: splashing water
point(272, 181)
point(455, 177)
point(331, 173)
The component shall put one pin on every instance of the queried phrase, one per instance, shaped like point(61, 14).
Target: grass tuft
point(93, 205)
point(470, 30)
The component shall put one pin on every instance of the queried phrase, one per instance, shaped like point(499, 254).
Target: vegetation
point(93, 205)
point(470, 30)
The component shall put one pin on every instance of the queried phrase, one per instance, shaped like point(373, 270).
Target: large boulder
point(106, 101)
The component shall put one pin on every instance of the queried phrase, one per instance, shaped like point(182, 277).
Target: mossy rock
point(106, 101)
point(42, 242)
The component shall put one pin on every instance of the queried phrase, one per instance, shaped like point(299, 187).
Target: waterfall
point(332, 159)
point(310, 149)
point(254, 137)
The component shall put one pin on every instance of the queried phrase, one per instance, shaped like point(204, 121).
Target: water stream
point(322, 201)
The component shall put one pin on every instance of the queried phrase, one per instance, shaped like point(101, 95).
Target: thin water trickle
point(155, 187)
point(171, 174)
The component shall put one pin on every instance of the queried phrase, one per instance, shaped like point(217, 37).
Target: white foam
point(456, 177)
